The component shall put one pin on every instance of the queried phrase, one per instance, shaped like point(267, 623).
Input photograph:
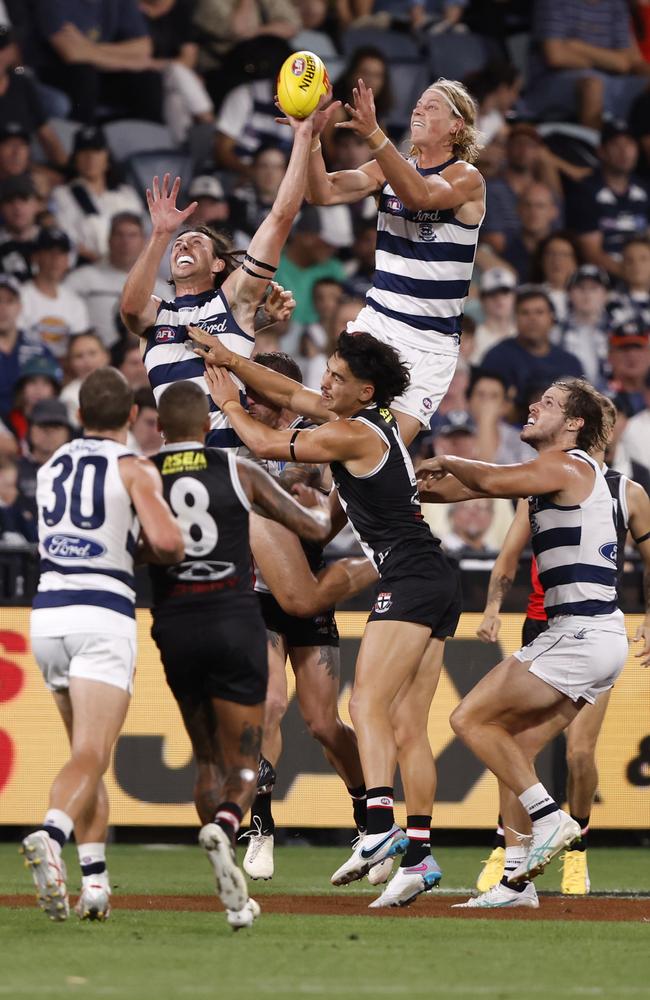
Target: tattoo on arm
point(250, 741)
point(329, 658)
point(498, 589)
point(273, 638)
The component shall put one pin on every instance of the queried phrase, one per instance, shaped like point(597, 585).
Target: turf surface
point(141, 955)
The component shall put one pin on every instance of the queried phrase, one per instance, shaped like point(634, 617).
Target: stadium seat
point(393, 44)
point(456, 54)
point(576, 143)
point(65, 132)
point(200, 143)
point(131, 135)
point(142, 166)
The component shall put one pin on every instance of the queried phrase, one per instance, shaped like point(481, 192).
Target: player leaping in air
point(431, 205)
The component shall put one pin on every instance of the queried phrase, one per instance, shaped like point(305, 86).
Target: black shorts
point(434, 600)
point(218, 651)
point(531, 628)
point(320, 630)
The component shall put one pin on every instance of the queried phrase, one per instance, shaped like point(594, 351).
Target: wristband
point(223, 408)
point(292, 445)
point(315, 148)
point(381, 145)
point(370, 134)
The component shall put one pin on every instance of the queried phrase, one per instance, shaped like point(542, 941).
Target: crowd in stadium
point(97, 98)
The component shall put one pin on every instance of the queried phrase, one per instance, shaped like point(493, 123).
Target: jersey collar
point(183, 445)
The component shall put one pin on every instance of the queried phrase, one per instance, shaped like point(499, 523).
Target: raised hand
point(280, 304)
point(363, 118)
point(222, 388)
point(166, 218)
point(318, 119)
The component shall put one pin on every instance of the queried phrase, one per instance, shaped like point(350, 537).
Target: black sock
point(96, 868)
point(419, 833)
point(55, 833)
point(266, 776)
point(583, 823)
point(499, 836)
point(262, 809)
point(359, 807)
point(515, 888)
point(229, 816)
point(380, 809)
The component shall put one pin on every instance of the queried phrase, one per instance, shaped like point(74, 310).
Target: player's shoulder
point(461, 169)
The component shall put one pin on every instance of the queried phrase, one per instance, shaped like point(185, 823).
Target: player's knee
point(460, 720)
point(580, 760)
point(275, 708)
point(92, 760)
point(322, 728)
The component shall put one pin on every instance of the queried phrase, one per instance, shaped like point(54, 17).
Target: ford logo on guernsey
point(609, 551)
point(72, 547)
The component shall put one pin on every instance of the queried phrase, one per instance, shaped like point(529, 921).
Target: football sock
point(418, 830)
point(58, 825)
point(380, 809)
point(92, 859)
point(499, 837)
point(538, 803)
point(359, 807)
point(515, 856)
point(583, 823)
point(229, 816)
point(262, 809)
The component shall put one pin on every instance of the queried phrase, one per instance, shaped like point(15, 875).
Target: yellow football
point(301, 82)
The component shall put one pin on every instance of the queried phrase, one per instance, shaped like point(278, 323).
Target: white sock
point(515, 856)
point(93, 855)
point(61, 822)
point(537, 802)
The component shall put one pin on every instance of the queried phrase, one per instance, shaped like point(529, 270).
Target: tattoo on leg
point(273, 638)
point(250, 741)
point(330, 660)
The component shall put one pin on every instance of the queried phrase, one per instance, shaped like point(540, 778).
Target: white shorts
point(431, 371)
point(578, 655)
point(104, 657)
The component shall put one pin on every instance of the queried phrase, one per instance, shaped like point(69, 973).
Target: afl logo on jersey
point(609, 551)
point(383, 603)
point(165, 334)
point(72, 547)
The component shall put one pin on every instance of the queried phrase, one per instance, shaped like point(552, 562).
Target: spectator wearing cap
point(19, 206)
point(52, 312)
point(555, 260)
point(584, 331)
point(86, 354)
point(307, 257)
point(100, 285)
point(585, 60)
point(629, 363)
point(16, 347)
point(22, 113)
point(85, 206)
point(632, 456)
point(632, 297)
point(49, 430)
point(15, 151)
point(497, 290)
point(175, 53)
point(613, 204)
point(38, 379)
point(97, 53)
point(212, 207)
point(530, 358)
point(538, 213)
point(489, 402)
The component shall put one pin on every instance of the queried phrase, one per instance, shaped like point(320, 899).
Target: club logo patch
point(383, 603)
point(165, 334)
point(298, 66)
point(427, 403)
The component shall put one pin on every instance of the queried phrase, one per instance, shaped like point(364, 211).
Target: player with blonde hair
point(431, 205)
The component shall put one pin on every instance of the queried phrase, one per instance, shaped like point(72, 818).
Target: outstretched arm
point(638, 504)
point(269, 497)
point(162, 533)
point(551, 472)
point(445, 490)
point(504, 572)
point(341, 440)
point(277, 388)
point(138, 308)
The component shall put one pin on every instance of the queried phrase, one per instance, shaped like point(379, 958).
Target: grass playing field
point(162, 953)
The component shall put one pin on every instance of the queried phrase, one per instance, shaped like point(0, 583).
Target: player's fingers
point(345, 124)
point(283, 121)
point(149, 198)
point(176, 186)
point(165, 185)
point(188, 211)
point(156, 188)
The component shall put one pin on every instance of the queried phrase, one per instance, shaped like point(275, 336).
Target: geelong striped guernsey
point(167, 360)
point(575, 548)
point(87, 533)
point(423, 266)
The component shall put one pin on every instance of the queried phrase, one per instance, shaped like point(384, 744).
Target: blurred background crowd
point(96, 96)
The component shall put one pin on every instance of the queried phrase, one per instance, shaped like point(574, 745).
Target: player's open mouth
point(530, 422)
point(417, 124)
point(184, 259)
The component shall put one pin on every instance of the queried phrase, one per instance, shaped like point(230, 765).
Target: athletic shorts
point(433, 601)
point(579, 656)
point(532, 627)
point(93, 656)
point(215, 652)
point(320, 630)
point(431, 371)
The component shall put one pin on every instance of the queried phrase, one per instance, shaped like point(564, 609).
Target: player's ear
point(133, 415)
point(217, 265)
point(366, 393)
point(206, 425)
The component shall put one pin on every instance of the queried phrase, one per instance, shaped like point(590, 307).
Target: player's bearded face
point(192, 258)
point(546, 419)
